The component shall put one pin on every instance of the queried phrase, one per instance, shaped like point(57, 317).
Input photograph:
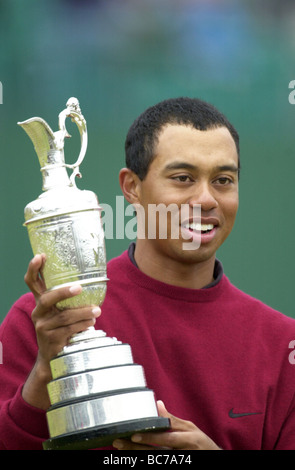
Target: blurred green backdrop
point(119, 57)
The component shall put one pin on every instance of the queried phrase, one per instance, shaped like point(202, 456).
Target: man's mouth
point(197, 227)
point(200, 232)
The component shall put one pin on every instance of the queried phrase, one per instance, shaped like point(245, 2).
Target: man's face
point(193, 167)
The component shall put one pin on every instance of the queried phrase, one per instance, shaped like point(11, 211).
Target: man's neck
point(172, 271)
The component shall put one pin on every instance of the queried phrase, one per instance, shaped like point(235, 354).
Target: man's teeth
point(199, 227)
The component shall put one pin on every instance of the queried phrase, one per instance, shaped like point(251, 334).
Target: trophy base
point(104, 436)
point(98, 394)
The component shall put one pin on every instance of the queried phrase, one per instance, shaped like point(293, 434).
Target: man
point(216, 357)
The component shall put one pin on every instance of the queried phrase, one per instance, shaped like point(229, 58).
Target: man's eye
point(182, 178)
point(223, 180)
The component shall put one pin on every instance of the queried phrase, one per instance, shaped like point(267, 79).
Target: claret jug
point(97, 392)
point(64, 222)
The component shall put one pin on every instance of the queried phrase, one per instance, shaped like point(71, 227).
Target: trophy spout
point(42, 137)
point(49, 148)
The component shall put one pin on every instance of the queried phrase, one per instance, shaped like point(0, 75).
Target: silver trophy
point(97, 392)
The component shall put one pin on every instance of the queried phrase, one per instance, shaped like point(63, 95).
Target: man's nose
point(203, 195)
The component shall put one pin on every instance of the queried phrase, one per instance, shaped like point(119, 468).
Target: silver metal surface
point(101, 411)
point(110, 379)
point(64, 222)
point(90, 359)
point(94, 342)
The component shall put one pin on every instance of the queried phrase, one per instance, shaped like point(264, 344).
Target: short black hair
point(143, 133)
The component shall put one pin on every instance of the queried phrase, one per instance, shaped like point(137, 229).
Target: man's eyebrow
point(180, 166)
point(232, 168)
point(189, 166)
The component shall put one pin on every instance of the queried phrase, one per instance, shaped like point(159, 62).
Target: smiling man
point(190, 167)
point(216, 357)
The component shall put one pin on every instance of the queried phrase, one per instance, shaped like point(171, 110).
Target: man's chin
point(192, 254)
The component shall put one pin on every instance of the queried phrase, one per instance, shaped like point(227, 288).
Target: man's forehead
point(171, 130)
point(181, 143)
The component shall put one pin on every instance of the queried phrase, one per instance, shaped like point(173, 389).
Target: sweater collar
point(174, 291)
point(217, 274)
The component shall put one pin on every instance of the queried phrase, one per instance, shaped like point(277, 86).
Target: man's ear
point(130, 185)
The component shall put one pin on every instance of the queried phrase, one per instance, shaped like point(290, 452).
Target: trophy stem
point(89, 333)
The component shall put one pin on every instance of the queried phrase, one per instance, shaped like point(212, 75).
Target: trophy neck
point(55, 176)
point(54, 171)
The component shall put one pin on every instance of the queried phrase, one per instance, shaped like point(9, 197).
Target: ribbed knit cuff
point(32, 420)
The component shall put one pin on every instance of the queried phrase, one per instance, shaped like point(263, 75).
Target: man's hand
point(183, 435)
point(53, 327)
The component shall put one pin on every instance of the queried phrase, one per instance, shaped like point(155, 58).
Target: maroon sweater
point(215, 356)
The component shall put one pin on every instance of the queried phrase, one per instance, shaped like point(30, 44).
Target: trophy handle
point(73, 110)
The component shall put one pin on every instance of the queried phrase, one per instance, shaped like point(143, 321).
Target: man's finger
point(51, 298)
point(33, 277)
point(177, 424)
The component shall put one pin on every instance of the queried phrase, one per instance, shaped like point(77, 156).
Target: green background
point(119, 57)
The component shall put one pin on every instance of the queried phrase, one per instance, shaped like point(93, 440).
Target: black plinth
point(104, 436)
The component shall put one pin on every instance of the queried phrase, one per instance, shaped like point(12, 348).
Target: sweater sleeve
point(286, 439)
point(22, 426)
